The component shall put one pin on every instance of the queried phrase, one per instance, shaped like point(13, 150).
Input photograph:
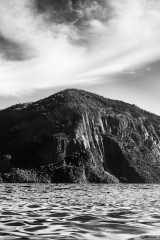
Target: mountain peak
point(120, 141)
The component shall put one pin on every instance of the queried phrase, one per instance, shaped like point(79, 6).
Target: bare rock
point(123, 140)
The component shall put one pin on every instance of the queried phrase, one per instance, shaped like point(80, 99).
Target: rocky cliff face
point(122, 139)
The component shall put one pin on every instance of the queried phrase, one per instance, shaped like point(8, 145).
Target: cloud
point(45, 45)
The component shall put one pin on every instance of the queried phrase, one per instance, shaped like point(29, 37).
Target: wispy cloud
point(64, 46)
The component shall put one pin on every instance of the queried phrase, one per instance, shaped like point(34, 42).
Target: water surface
point(87, 212)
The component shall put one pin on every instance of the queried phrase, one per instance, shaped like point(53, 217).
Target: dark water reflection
point(34, 211)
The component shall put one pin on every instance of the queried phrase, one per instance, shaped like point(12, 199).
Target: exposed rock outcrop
point(122, 139)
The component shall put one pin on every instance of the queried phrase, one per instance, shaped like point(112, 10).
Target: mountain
point(93, 138)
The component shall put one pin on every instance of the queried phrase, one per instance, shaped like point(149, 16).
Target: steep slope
point(122, 139)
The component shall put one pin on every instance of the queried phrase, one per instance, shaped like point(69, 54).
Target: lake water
point(68, 211)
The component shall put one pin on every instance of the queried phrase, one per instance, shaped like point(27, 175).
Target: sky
point(109, 47)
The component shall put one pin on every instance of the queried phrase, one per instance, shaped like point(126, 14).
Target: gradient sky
point(110, 47)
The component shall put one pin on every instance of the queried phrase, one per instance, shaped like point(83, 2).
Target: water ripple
point(85, 212)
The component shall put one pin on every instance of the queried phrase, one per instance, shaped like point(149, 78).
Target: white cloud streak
point(123, 36)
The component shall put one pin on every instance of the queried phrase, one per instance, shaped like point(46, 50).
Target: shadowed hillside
point(77, 136)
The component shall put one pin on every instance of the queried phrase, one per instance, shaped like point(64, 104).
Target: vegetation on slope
point(74, 168)
point(61, 113)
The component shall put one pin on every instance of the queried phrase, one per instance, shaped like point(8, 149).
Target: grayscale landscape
point(79, 119)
